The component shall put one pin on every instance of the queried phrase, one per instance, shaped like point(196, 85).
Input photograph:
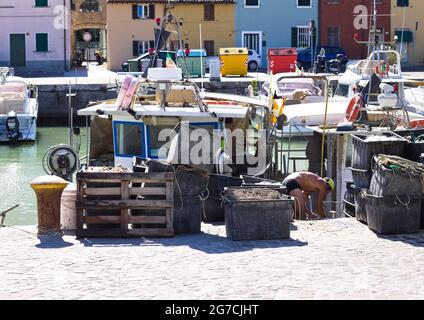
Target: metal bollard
point(49, 191)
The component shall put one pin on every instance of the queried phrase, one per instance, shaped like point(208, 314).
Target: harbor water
point(21, 163)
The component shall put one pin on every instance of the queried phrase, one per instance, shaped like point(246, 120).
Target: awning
point(407, 36)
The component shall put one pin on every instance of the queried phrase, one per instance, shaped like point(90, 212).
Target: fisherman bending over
point(300, 184)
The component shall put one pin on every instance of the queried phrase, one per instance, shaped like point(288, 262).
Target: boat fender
point(354, 107)
point(417, 123)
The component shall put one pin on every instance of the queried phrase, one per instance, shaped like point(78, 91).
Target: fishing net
point(398, 164)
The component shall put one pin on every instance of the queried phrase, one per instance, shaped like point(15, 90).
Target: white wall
point(21, 16)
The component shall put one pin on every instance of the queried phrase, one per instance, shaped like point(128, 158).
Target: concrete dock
point(332, 259)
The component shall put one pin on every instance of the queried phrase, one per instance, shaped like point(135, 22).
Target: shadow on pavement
point(208, 243)
point(416, 240)
point(52, 242)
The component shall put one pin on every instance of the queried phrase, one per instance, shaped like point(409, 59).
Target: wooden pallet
point(99, 194)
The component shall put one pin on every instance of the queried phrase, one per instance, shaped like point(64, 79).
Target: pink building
point(35, 35)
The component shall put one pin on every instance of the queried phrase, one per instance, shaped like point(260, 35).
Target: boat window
point(129, 139)
point(342, 90)
point(153, 137)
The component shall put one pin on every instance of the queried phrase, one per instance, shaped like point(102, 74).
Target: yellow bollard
point(49, 191)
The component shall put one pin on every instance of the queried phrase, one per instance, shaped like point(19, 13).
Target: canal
point(21, 163)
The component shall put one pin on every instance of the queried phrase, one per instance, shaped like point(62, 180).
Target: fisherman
point(300, 184)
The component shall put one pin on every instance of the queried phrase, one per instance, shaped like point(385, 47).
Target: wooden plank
point(101, 219)
point(147, 219)
point(118, 233)
point(170, 211)
point(102, 191)
point(79, 212)
point(135, 176)
point(125, 195)
point(123, 204)
point(147, 191)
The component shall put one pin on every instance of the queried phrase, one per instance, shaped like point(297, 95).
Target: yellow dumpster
point(234, 61)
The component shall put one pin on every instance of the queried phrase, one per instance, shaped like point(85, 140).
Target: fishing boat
point(295, 91)
point(18, 108)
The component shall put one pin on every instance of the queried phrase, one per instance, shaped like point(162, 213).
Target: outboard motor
point(12, 126)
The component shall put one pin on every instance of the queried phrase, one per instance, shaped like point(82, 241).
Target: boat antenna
point(201, 56)
point(403, 31)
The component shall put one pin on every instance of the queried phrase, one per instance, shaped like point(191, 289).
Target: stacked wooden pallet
point(105, 202)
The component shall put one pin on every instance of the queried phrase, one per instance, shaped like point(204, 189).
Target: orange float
point(354, 107)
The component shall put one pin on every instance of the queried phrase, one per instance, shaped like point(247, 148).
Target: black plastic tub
point(388, 182)
point(217, 184)
point(361, 178)
point(349, 208)
point(258, 220)
point(213, 210)
point(363, 151)
point(360, 205)
point(350, 192)
point(187, 215)
point(394, 214)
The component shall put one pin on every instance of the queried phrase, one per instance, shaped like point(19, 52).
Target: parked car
point(331, 53)
point(255, 60)
point(162, 55)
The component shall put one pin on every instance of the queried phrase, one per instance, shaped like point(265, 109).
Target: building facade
point(130, 26)
point(340, 20)
point(88, 16)
point(265, 24)
point(408, 16)
point(35, 35)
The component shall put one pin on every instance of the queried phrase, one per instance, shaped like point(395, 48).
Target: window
point(251, 3)
point(304, 3)
point(252, 41)
point(209, 12)
point(41, 42)
point(209, 46)
point(7, 3)
point(143, 11)
point(141, 47)
point(403, 3)
point(90, 6)
point(129, 139)
point(303, 38)
point(154, 144)
point(334, 36)
point(41, 3)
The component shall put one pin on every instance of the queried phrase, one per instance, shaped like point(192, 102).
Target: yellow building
point(130, 26)
point(408, 15)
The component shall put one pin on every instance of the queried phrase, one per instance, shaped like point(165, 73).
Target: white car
point(255, 60)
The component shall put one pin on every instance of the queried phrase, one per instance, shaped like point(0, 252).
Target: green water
point(20, 164)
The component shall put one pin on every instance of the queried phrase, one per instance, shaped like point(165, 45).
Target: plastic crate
point(258, 220)
point(363, 151)
point(361, 178)
point(360, 206)
point(394, 214)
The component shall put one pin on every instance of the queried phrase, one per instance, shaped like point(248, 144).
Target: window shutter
point(135, 48)
point(294, 37)
point(151, 11)
point(135, 11)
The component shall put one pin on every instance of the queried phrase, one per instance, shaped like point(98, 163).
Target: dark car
point(162, 55)
point(304, 56)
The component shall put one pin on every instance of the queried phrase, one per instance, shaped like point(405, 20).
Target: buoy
point(417, 123)
point(354, 107)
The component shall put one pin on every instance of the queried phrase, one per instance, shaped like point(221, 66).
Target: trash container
point(133, 65)
point(234, 61)
point(282, 60)
point(194, 64)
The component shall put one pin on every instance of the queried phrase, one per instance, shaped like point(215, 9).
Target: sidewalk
point(333, 259)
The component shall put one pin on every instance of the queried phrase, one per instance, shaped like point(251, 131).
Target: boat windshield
point(289, 86)
point(342, 90)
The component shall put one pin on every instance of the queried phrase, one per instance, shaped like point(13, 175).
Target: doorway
point(17, 50)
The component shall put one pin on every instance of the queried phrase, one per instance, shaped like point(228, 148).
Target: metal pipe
point(325, 127)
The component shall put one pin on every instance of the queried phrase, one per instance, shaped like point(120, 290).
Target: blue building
point(263, 24)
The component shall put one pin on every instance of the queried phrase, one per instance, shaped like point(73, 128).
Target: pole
point(201, 54)
point(70, 114)
point(324, 128)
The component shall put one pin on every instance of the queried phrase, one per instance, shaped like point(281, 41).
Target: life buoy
point(417, 123)
point(354, 107)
